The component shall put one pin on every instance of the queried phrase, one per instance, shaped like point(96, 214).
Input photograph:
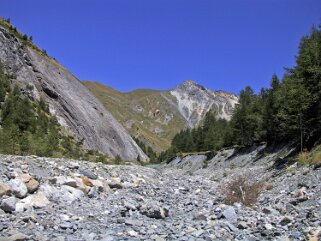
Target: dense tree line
point(27, 128)
point(288, 111)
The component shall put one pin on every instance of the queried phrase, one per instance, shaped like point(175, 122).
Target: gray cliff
point(69, 100)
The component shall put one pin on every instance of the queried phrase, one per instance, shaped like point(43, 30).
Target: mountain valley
point(75, 162)
point(155, 117)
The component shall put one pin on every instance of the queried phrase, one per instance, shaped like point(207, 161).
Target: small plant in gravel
point(304, 158)
point(242, 190)
point(268, 186)
point(310, 158)
point(117, 160)
point(205, 164)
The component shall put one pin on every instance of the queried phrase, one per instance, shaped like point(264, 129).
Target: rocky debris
point(141, 203)
point(38, 200)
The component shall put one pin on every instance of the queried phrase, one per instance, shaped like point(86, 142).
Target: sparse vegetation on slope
point(144, 113)
point(27, 40)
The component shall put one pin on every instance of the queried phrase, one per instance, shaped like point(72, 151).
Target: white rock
point(48, 190)
point(38, 200)
point(18, 187)
point(70, 194)
point(268, 226)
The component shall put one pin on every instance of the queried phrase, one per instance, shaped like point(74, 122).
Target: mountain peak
point(194, 101)
point(190, 85)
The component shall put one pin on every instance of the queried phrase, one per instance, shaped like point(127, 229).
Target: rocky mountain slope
point(194, 101)
point(75, 108)
point(155, 117)
point(58, 199)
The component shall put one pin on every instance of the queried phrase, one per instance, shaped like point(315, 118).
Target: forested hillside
point(288, 111)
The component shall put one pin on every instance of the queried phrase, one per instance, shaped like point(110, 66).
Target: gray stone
point(66, 225)
point(200, 217)
point(154, 211)
point(107, 238)
point(8, 204)
point(131, 222)
point(70, 194)
point(269, 210)
point(18, 237)
point(231, 227)
point(88, 174)
point(242, 225)
point(286, 220)
point(230, 214)
point(19, 188)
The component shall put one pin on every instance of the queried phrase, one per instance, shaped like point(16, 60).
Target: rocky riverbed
point(59, 199)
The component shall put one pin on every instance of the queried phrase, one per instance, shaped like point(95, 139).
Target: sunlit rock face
point(74, 106)
point(194, 101)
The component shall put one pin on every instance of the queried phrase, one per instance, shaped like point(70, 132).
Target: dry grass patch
point(311, 158)
point(242, 190)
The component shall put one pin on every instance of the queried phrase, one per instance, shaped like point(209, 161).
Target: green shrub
point(117, 160)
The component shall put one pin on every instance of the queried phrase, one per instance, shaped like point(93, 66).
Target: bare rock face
point(194, 101)
point(69, 100)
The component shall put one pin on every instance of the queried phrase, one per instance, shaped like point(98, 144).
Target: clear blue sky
point(157, 44)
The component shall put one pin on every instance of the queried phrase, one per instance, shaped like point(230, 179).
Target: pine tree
point(308, 70)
